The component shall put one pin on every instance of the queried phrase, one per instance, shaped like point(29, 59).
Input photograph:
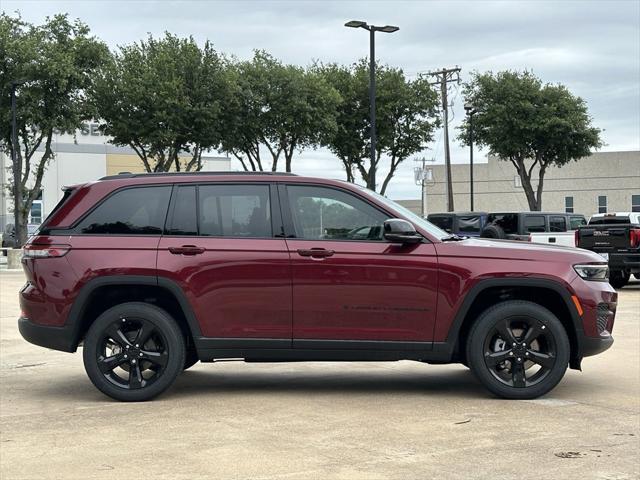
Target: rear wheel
point(518, 350)
point(619, 278)
point(133, 352)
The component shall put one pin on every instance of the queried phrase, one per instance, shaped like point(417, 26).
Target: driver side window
point(326, 214)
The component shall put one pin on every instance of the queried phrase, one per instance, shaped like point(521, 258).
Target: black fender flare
point(445, 350)
point(80, 304)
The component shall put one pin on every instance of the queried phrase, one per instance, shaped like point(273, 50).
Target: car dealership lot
point(317, 420)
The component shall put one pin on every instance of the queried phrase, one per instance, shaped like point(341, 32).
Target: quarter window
point(557, 224)
point(568, 204)
point(326, 214)
point(235, 211)
point(134, 211)
point(534, 223)
point(602, 204)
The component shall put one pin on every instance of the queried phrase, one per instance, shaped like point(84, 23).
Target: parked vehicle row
point(616, 237)
point(153, 272)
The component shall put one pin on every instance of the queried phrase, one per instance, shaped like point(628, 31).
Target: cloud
point(592, 47)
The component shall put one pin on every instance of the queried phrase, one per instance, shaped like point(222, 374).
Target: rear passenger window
point(235, 211)
point(557, 224)
point(184, 221)
point(134, 211)
point(534, 223)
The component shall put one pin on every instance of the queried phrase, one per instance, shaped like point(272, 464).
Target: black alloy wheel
point(134, 351)
point(518, 349)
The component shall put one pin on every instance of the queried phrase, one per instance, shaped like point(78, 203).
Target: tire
point(134, 337)
point(637, 275)
point(501, 368)
point(619, 278)
point(190, 358)
point(493, 231)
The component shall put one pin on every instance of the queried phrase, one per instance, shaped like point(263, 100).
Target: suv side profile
point(154, 272)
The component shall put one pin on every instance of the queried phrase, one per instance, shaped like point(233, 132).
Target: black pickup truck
point(615, 236)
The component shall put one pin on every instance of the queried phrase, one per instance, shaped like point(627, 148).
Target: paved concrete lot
point(401, 420)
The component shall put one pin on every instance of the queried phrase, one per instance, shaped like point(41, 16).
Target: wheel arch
point(101, 293)
point(545, 292)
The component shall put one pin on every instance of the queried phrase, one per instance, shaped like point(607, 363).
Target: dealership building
point(602, 182)
point(85, 157)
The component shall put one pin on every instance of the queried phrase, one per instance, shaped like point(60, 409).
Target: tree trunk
point(525, 179)
point(541, 173)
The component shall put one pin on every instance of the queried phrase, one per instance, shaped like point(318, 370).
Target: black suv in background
point(518, 226)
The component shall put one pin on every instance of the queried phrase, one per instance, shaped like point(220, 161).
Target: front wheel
point(518, 350)
point(134, 352)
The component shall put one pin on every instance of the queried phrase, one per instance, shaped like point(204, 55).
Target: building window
point(635, 203)
point(602, 204)
point(568, 204)
point(517, 181)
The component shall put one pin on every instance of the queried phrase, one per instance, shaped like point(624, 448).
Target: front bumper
point(624, 261)
point(590, 346)
point(56, 338)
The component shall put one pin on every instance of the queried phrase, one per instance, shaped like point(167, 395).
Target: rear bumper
point(625, 261)
point(56, 338)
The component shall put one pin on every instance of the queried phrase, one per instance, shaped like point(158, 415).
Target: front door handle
point(186, 250)
point(315, 252)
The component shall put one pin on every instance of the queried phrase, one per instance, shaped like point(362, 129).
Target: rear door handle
point(315, 252)
point(186, 250)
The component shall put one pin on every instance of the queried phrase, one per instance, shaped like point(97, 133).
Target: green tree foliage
point(406, 117)
point(531, 124)
point(275, 110)
point(164, 98)
point(57, 61)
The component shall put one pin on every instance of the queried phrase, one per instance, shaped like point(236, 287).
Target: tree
point(531, 124)
point(406, 116)
point(164, 98)
point(279, 109)
point(56, 61)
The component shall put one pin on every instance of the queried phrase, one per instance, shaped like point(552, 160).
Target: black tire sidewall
point(163, 322)
point(487, 321)
point(493, 231)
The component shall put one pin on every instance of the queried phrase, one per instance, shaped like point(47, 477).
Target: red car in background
point(153, 272)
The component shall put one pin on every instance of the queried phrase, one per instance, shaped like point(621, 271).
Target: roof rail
point(178, 174)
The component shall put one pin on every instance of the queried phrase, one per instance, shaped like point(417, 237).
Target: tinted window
point(444, 222)
point(184, 212)
point(610, 219)
point(576, 222)
point(235, 211)
point(534, 223)
point(507, 221)
point(327, 214)
point(469, 224)
point(557, 224)
point(134, 211)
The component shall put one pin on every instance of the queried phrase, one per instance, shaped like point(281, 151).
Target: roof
point(124, 175)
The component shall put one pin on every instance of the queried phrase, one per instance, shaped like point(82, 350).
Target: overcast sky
point(593, 47)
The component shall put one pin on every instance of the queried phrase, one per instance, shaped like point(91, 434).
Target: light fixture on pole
point(471, 110)
point(372, 83)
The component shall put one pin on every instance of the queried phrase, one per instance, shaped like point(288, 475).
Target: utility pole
point(442, 78)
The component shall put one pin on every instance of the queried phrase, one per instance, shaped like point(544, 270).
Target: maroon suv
point(153, 272)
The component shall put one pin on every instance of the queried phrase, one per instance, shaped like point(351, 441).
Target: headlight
point(592, 272)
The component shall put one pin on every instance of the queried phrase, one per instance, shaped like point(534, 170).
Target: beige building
point(604, 181)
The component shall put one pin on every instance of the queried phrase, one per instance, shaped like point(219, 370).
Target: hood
point(518, 250)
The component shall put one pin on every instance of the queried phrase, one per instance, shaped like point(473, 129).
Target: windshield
point(416, 219)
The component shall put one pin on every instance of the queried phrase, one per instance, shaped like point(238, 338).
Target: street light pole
point(372, 86)
point(470, 111)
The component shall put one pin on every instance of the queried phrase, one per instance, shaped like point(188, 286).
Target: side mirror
point(397, 230)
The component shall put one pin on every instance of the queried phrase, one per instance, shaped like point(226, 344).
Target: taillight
point(576, 237)
point(45, 251)
point(634, 237)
